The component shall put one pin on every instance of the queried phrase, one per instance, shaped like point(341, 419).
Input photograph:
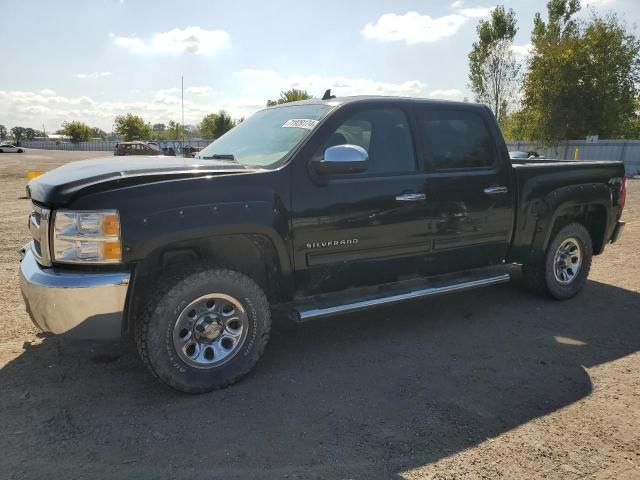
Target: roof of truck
point(364, 98)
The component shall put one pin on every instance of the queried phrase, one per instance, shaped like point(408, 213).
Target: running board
point(324, 307)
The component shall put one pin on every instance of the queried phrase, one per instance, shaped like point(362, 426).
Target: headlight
point(87, 237)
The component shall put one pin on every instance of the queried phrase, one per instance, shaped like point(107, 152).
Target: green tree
point(3, 132)
point(132, 127)
point(174, 131)
point(215, 125)
point(583, 76)
point(632, 128)
point(493, 70)
point(77, 131)
point(292, 95)
point(98, 133)
point(192, 131)
point(611, 76)
point(29, 133)
point(18, 133)
point(159, 128)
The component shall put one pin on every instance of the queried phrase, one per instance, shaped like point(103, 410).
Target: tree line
point(581, 77)
point(133, 127)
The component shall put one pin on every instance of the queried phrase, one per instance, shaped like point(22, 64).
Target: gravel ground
point(489, 384)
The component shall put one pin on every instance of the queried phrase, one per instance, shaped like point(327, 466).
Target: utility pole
point(182, 89)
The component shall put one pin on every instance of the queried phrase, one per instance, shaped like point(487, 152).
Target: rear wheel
point(205, 330)
point(563, 271)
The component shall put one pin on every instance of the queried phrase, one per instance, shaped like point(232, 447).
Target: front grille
point(39, 228)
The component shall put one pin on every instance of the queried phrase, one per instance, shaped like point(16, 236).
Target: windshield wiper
point(221, 156)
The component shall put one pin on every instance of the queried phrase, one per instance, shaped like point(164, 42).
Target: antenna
point(327, 95)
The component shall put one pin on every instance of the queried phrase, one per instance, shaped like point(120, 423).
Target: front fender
point(191, 223)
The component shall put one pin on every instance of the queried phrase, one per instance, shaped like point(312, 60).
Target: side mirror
point(342, 159)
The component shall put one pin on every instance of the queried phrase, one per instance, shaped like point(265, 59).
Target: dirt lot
point(490, 384)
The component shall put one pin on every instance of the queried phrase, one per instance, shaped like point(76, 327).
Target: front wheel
point(20, 151)
point(205, 330)
point(563, 271)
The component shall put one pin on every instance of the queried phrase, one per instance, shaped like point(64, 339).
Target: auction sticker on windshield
point(300, 123)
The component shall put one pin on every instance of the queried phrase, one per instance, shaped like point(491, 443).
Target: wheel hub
point(208, 327)
point(210, 330)
point(567, 261)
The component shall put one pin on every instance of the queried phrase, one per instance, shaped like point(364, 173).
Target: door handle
point(496, 190)
point(411, 197)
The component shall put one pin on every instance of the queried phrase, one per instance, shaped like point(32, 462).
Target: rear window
point(456, 139)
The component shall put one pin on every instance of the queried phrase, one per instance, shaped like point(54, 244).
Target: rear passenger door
point(470, 197)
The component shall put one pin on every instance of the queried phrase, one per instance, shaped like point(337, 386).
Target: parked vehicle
point(9, 148)
point(137, 148)
point(190, 151)
point(518, 155)
point(314, 208)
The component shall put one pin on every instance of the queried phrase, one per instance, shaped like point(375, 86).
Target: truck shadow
point(368, 395)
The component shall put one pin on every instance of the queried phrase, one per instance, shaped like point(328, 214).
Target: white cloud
point(316, 84)
point(522, 51)
point(193, 40)
point(29, 108)
point(457, 4)
point(447, 94)
point(92, 75)
point(599, 3)
point(476, 12)
point(199, 91)
point(413, 28)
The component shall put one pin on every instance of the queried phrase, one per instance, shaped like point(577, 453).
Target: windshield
point(267, 136)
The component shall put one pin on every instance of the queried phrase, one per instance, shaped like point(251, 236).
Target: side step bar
point(325, 308)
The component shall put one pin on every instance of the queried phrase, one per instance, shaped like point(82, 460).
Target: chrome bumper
point(81, 305)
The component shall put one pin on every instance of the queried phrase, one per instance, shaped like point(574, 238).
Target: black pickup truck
point(313, 208)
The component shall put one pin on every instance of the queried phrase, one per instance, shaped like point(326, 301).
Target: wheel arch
point(588, 205)
point(253, 254)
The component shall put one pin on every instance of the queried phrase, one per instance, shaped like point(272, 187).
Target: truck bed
point(546, 189)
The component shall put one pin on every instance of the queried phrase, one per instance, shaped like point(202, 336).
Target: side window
point(456, 139)
point(384, 134)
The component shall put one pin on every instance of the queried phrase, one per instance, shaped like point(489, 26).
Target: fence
point(627, 151)
point(108, 146)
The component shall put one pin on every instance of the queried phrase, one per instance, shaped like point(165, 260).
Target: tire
point(558, 275)
point(187, 352)
point(20, 151)
point(1, 151)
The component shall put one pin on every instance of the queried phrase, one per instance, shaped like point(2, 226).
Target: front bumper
point(617, 231)
point(81, 305)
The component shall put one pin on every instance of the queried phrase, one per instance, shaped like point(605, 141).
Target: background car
point(137, 148)
point(189, 151)
point(524, 155)
point(8, 148)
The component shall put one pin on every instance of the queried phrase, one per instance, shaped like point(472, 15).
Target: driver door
point(351, 230)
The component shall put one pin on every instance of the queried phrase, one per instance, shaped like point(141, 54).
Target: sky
point(93, 60)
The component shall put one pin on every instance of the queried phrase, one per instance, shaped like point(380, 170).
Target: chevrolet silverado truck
point(313, 209)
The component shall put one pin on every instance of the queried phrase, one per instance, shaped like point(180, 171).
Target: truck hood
point(60, 185)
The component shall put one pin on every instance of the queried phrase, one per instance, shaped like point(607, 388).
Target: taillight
point(622, 199)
